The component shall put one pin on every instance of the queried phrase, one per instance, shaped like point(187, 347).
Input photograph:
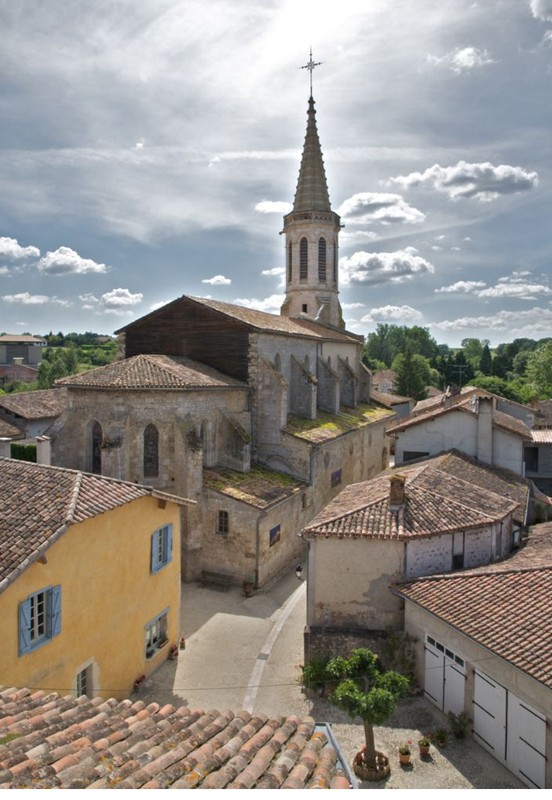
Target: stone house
point(445, 513)
point(210, 390)
point(490, 657)
point(32, 413)
point(78, 615)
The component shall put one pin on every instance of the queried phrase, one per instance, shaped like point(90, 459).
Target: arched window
point(151, 452)
point(322, 260)
point(290, 263)
point(97, 438)
point(303, 259)
point(335, 264)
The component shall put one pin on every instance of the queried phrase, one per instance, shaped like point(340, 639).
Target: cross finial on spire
point(310, 66)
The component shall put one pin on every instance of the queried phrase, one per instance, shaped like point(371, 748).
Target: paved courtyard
point(247, 653)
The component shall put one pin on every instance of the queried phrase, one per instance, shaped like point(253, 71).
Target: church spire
point(312, 234)
point(312, 188)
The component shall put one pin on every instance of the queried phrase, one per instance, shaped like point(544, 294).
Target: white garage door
point(510, 728)
point(444, 676)
point(525, 750)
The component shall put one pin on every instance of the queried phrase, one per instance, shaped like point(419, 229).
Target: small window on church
point(151, 452)
point(303, 259)
point(223, 523)
point(290, 263)
point(322, 260)
point(97, 438)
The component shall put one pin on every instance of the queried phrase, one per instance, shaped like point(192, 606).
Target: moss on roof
point(329, 426)
point(260, 487)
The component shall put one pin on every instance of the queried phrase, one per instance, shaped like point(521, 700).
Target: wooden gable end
point(188, 329)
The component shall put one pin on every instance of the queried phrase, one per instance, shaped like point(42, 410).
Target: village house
point(20, 357)
point(260, 418)
point(79, 616)
point(445, 513)
point(482, 643)
point(32, 413)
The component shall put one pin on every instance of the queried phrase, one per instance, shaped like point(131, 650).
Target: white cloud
point(461, 287)
point(515, 286)
point(27, 299)
point(482, 181)
point(462, 59)
point(120, 299)
point(271, 304)
point(160, 304)
point(378, 268)
point(514, 322)
point(352, 306)
point(4, 271)
point(10, 248)
point(352, 237)
point(397, 313)
point(273, 271)
point(65, 261)
point(542, 9)
point(217, 280)
point(381, 207)
point(273, 207)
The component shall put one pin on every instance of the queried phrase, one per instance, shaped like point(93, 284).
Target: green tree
point(473, 350)
point(365, 691)
point(414, 374)
point(539, 370)
point(486, 360)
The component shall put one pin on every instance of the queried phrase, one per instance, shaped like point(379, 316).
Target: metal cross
point(310, 66)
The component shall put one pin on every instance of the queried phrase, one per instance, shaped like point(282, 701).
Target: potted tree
point(405, 753)
point(365, 691)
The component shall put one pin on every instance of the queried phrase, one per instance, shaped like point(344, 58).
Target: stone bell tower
point(312, 232)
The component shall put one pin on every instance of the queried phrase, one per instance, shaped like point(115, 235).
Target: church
point(259, 418)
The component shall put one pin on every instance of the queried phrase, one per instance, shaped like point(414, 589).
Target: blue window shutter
point(24, 627)
point(169, 530)
point(155, 551)
point(55, 611)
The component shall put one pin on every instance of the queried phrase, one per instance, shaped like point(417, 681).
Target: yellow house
point(89, 580)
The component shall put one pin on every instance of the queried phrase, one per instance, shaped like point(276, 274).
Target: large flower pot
point(366, 773)
point(405, 758)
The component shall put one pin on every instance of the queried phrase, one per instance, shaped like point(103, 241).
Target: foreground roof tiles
point(152, 372)
point(443, 494)
point(510, 608)
point(53, 742)
point(39, 502)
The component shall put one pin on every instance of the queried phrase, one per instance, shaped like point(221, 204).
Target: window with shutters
point(156, 633)
point(303, 259)
point(39, 618)
point(161, 548)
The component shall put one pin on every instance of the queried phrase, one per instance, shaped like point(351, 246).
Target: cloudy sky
point(149, 149)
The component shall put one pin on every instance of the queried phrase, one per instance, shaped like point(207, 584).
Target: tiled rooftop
point(260, 487)
point(509, 608)
point(39, 404)
point(23, 338)
point(9, 429)
point(38, 502)
point(53, 742)
point(443, 494)
point(152, 372)
point(262, 321)
point(328, 426)
point(543, 436)
point(387, 398)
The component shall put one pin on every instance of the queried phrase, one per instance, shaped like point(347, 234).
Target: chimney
point(5, 447)
point(396, 492)
point(485, 430)
point(43, 450)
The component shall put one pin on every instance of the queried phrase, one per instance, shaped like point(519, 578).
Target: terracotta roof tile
point(152, 372)
point(39, 404)
point(38, 502)
point(509, 608)
point(261, 320)
point(442, 494)
point(167, 747)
